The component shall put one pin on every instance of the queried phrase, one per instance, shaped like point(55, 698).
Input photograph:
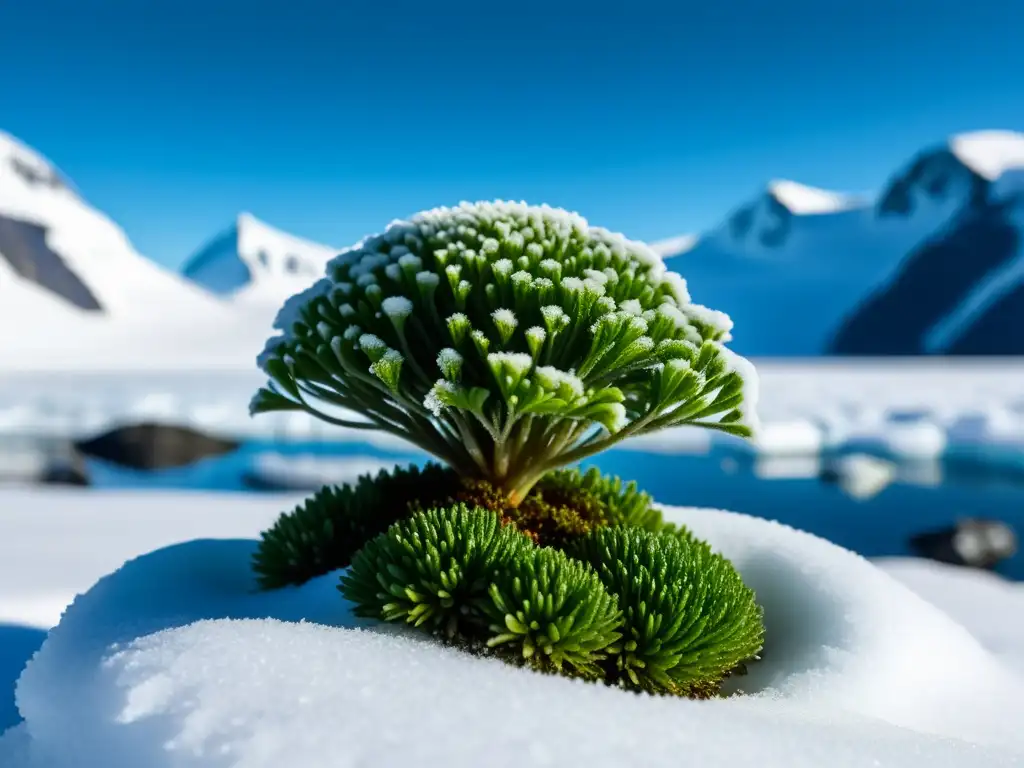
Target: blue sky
point(329, 118)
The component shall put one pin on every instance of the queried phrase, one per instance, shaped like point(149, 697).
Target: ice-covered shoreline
point(909, 407)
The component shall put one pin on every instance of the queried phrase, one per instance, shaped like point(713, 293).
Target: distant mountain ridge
point(74, 293)
point(253, 262)
point(961, 291)
point(934, 265)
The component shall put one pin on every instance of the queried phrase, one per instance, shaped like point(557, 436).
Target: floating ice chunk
point(768, 466)
point(862, 476)
point(796, 437)
point(914, 439)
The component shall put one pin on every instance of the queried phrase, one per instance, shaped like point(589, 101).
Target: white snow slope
point(149, 317)
point(174, 661)
point(257, 264)
point(791, 264)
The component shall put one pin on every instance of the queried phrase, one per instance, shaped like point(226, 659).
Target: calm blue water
point(789, 490)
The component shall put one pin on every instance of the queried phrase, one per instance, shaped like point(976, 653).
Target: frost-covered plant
point(689, 618)
point(507, 340)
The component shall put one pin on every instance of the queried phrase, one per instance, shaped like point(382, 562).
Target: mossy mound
point(649, 612)
point(325, 531)
point(583, 578)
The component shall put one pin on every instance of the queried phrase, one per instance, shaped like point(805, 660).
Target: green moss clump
point(555, 613)
point(689, 618)
point(434, 569)
point(325, 531)
point(619, 503)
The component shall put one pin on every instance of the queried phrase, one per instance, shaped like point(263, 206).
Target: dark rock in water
point(154, 446)
point(971, 542)
point(66, 470)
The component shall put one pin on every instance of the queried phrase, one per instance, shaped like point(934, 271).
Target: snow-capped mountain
point(932, 265)
point(74, 293)
point(962, 290)
point(255, 263)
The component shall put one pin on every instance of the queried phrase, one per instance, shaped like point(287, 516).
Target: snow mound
point(100, 530)
point(990, 605)
point(804, 200)
point(841, 634)
point(174, 660)
point(989, 153)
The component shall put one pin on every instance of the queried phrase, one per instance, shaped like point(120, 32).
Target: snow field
point(175, 660)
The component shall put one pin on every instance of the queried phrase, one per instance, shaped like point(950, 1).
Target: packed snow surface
point(41, 572)
point(992, 607)
point(175, 660)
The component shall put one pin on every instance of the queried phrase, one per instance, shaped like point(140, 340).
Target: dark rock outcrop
point(930, 283)
point(971, 542)
point(23, 244)
point(154, 446)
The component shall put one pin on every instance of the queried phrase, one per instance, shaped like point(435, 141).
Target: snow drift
point(175, 660)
